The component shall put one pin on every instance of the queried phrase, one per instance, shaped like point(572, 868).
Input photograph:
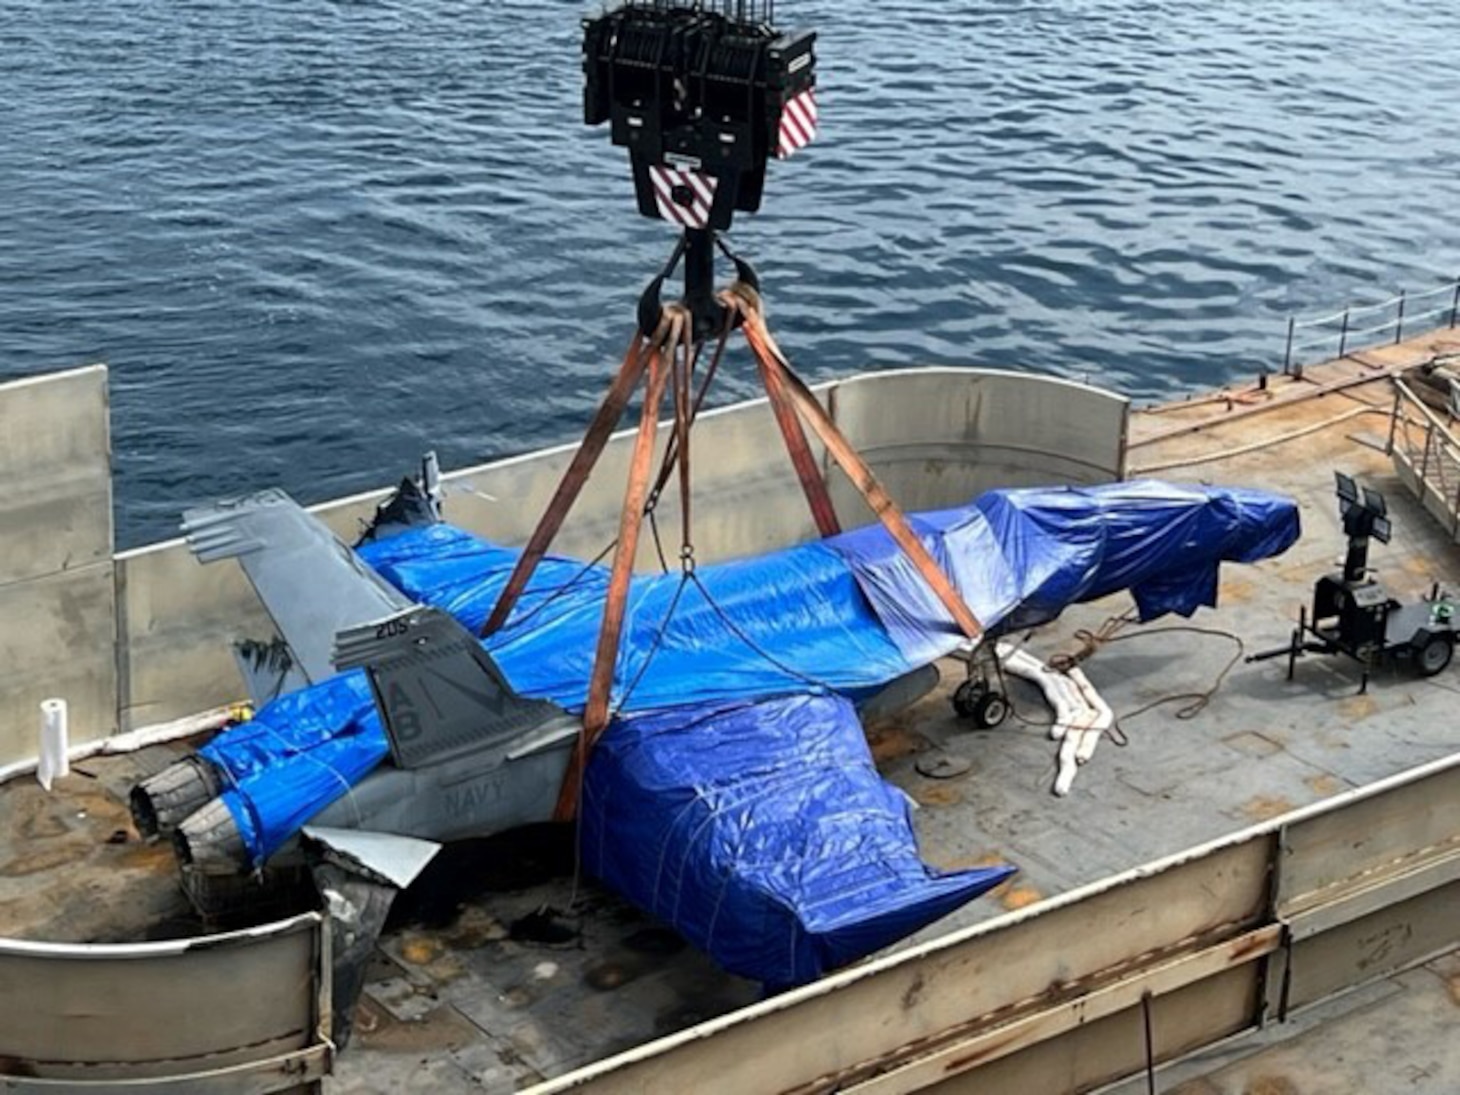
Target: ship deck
point(532, 972)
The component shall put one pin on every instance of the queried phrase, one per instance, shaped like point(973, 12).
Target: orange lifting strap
point(667, 360)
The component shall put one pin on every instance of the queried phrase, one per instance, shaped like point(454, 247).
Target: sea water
point(314, 238)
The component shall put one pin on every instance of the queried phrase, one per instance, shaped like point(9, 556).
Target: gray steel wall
point(941, 437)
point(937, 437)
point(58, 636)
point(245, 1011)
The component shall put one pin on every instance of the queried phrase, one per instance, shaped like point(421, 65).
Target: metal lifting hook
point(708, 311)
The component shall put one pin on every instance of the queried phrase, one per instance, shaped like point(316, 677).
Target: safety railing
point(1360, 327)
point(1426, 455)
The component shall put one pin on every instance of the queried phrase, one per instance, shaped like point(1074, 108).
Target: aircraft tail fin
point(439, 693)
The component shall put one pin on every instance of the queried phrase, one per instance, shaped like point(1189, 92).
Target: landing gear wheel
point(1434, 655)
point(991, 710)
point(966, 697)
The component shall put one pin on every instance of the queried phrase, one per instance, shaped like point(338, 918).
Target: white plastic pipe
point(53, 762)
point(1069, 765)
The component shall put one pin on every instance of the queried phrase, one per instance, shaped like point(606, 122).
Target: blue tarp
point(755, 627)
point(845, 615)
point(763, 833)
point(1021, 557)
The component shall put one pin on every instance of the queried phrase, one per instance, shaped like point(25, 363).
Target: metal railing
point(1427, 456)
point(1367, 325)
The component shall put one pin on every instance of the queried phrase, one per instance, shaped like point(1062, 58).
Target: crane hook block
point(702, 94)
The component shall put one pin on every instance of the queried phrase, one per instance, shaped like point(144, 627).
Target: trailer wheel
point(1434, 655)
point(991, 710)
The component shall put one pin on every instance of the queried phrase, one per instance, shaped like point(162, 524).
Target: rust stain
point(420, 950)
point(892, 739)
point(1271, 1085)
point(76, 819)
point(607, 976)
point(1265, 807)
point(35, 816)
point(1358, 707)
point(993, 1049)
point(1253, 743)
point(1238, 590)
point(1324, 785)
point(144, 855)
point(442, 1029)
point(1453, 984)
point(983, 859)
point(968, 863)
point(45, 858)
point(1019, 897)
point(446, 969)
point(938, 796)
point(1249, 945)
point(1421, 567)
point(474, 928)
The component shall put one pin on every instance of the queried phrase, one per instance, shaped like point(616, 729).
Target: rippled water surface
point(313, 238)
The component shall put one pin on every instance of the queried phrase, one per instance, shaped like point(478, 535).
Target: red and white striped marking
point(798, 124)
point(671, 184)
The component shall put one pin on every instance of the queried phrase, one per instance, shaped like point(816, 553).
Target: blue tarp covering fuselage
point(846, 616)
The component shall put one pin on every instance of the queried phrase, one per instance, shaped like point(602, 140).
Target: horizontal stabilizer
point(386, 858)
point(310, 583)
point(438, 691)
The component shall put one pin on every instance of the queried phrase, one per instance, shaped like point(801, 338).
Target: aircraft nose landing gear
point(982, 704)
point(980, 699)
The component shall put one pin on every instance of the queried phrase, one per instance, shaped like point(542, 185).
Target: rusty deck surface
point(536, 972)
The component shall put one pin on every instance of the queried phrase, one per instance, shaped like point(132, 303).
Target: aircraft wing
point(762, 832)
point(311, 584)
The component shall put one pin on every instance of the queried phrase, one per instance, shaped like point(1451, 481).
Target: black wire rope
point(555, 594)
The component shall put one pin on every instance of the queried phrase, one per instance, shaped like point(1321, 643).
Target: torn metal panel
point(390, 859)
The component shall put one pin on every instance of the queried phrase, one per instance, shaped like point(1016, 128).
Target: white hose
point(126, 743)
point(1081, 716)
point(1059, 692)
point(1104, 717)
